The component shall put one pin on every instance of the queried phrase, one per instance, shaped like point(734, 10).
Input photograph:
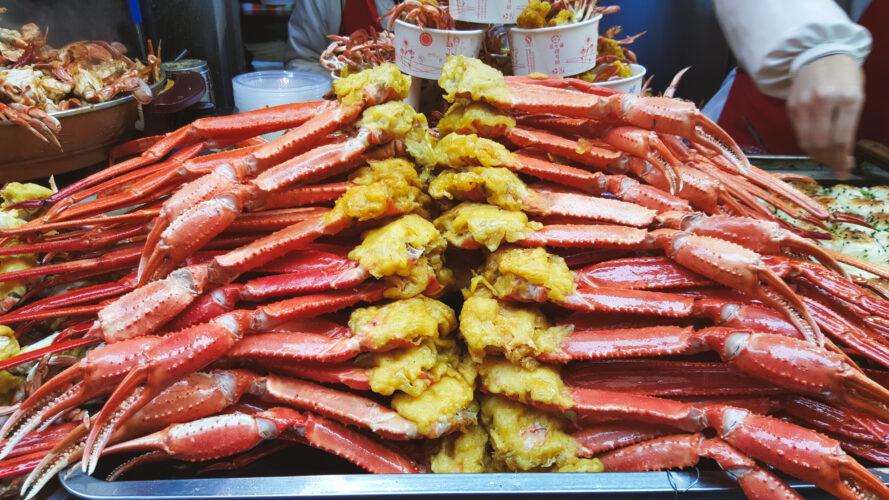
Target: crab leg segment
point(345, 407)
point(679, 451)
point(608, 436)
point(196, 396)
point(659, 114)
point(647, 376)
point(813, 457)
point(224, 435)
point(758, 235)
point(535, 163)
point(736, 267)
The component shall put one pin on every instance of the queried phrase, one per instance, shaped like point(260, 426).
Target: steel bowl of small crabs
point(63, 109)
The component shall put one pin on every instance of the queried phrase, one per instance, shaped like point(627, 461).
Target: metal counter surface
point(709, 484)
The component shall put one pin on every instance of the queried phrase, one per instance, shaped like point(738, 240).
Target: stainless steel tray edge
point(651, 484)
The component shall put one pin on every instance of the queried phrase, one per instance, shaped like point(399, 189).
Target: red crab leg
point(814, 458)
point(345, 407)
point(659, 114)
point(330, 373)
point(647, 376)
point(679, 451)
point(133, 147)
point(80, 241)
point(107, 262)
point(196, 396)
point(66, 208)
point(839, 286)
point(102, 221)
point(531, 162)
point(196, 225)
point(21, 464)
point(224, 435)
point(199, 346)
point(86, 294)
point(613, 435)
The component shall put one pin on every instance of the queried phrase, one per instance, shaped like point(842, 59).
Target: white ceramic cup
point(564, 50)
point(487, 11)
point(422, 52)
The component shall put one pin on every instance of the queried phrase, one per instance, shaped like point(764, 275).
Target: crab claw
point(800, 452)
point(188, 233)
point(35, 120)
point(799, 366)
point(647, 145)
point(685, 450)
point(761, 236)
point(102, 368)
point(682, 118)
point(169, 358)
point(737, 267)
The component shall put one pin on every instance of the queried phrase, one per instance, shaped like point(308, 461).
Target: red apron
point(360, 14)
point(759, 123)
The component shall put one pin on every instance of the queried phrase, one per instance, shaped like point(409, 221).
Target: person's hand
point(825, 103)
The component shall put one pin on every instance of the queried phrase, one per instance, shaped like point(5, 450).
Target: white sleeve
point(772, 39)
point(310, 23)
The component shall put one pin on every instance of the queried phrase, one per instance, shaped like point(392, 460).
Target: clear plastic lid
point(282, 81)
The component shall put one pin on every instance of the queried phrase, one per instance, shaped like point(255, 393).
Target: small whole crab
point(359, 51)
point(36, 80)
point(423, 13)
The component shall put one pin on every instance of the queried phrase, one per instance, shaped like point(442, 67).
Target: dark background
point(680, 33)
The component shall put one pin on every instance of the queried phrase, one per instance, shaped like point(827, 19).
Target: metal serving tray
point(712, 484)
point(864, 173)
point(706, 484)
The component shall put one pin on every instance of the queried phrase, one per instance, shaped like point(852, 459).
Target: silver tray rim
point(380, 485)
point(90, 107)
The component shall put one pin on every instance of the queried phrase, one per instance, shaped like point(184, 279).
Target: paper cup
point(422, 52)
point(563, 50)
point(487, 11)
point(413, 93)
point(631, 84)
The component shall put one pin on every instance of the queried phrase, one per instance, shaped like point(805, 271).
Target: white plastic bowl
point(275, 87)
point(487, 11)
point(631, 84)
point(564, 50)
point(422, 52)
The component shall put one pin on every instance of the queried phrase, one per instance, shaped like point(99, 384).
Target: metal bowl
point(87, 135)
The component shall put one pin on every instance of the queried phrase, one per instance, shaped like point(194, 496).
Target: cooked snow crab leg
point(204, 394)
point(225, 435)
point(721, 261)
point(780, 360)
point(312, 121)
point(202, 209)
point(461, 78)
point(829, 298)
point(159, 361)
point(34, 120)
point(795, 450)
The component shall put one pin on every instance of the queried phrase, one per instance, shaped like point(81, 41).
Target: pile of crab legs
point(187, 239)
